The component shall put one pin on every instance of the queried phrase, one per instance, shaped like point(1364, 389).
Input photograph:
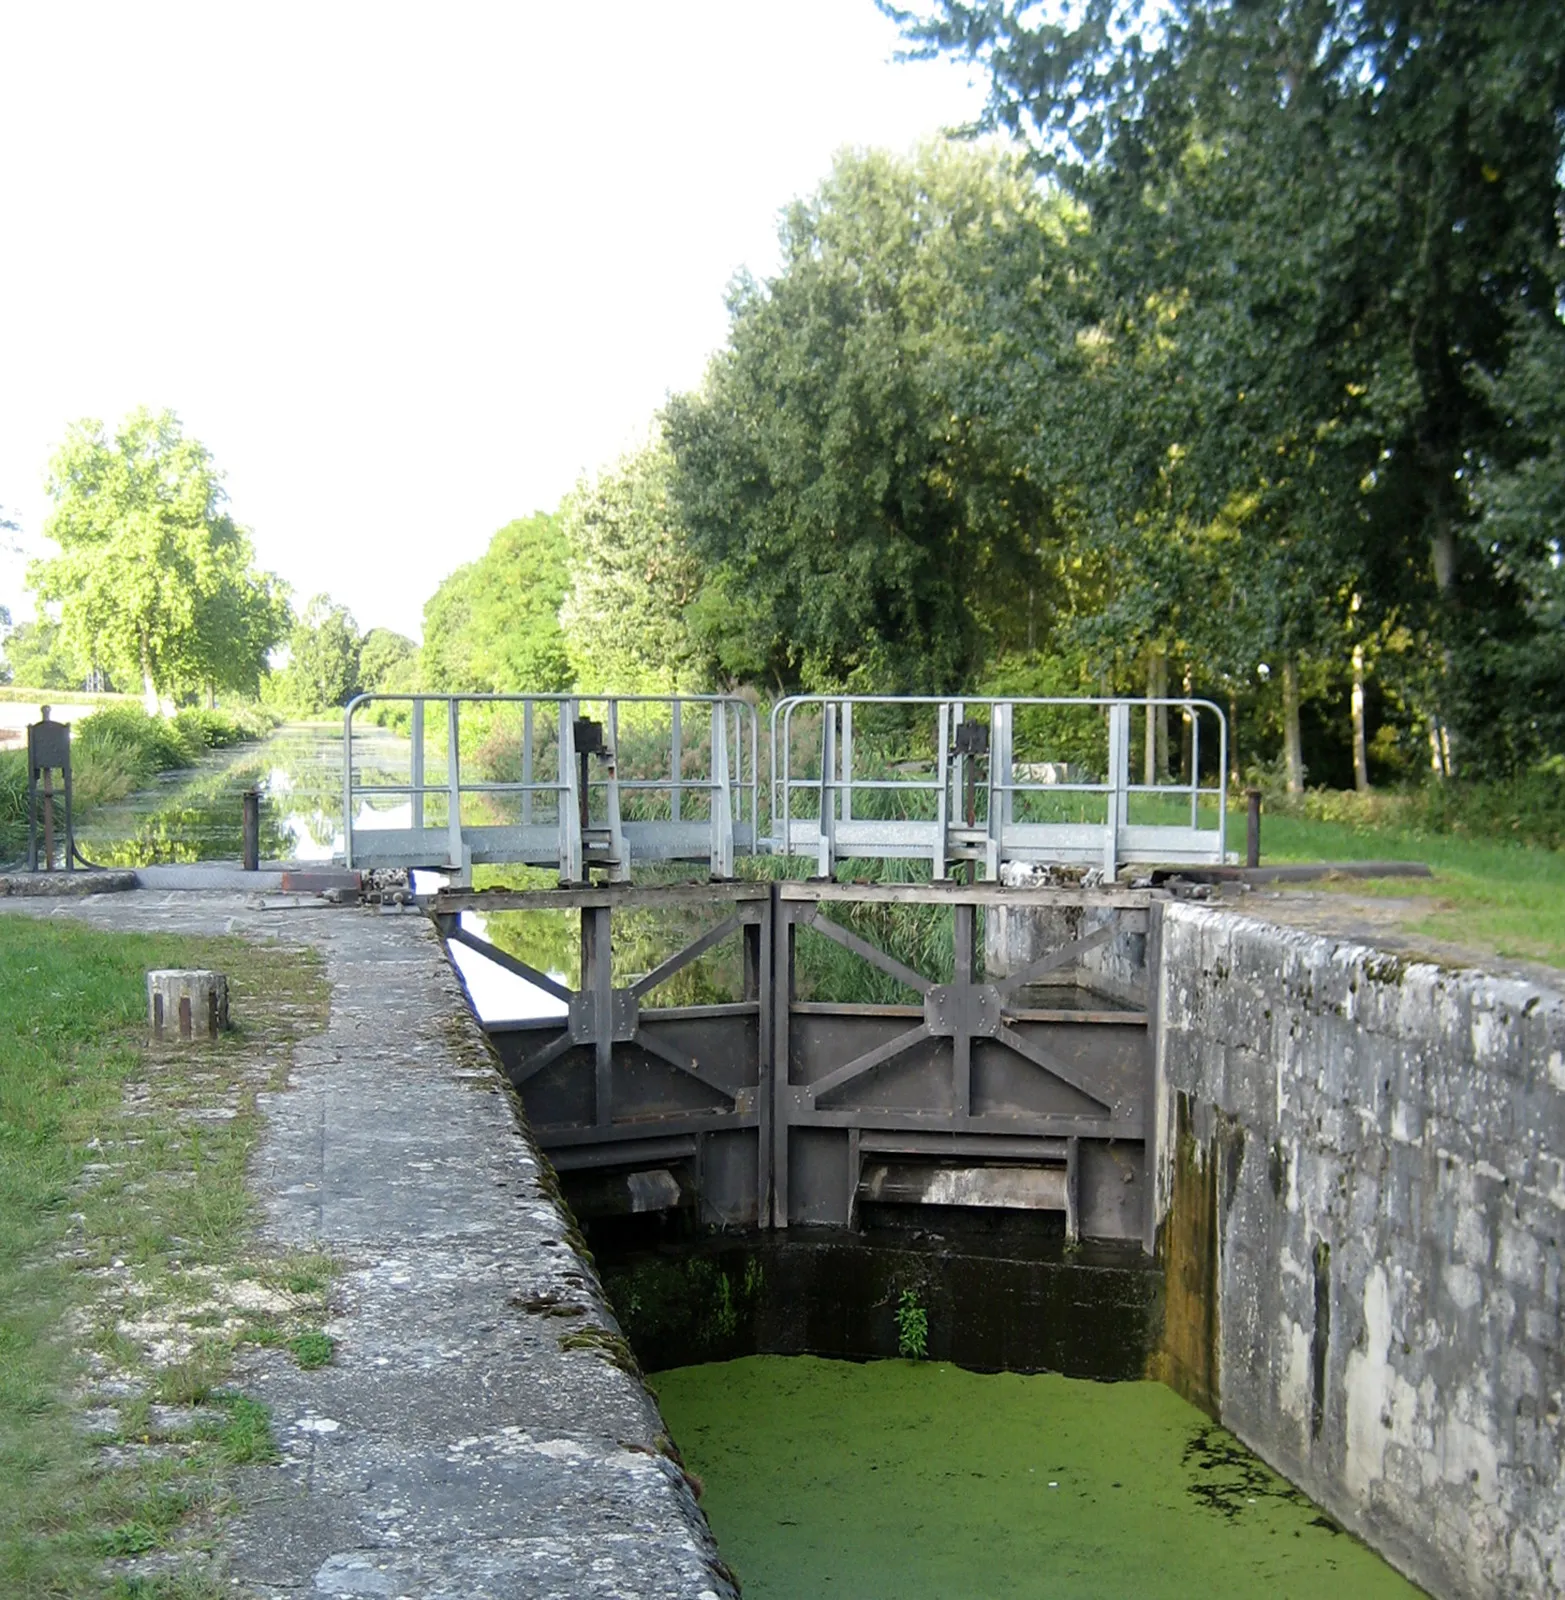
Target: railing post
point(676, 763)
point(828, 826)
point(722, 862)
point(527, 762)
point(942, 850)
point(456, 850)
point(620, 871)
point(847, 760)
point(570, 797)
point(1118, 785)
point(1000, 775)
point(1194, 721)
point(416, 771)
point(347, 789)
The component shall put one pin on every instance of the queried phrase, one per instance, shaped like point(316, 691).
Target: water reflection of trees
point(203, 821)
point(298, 771)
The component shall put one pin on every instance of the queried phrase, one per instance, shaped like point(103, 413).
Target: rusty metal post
point(251, 800)
point(47, 796)
point(1252, 829)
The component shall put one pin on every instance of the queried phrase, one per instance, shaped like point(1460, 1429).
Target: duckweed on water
point(920, 1481)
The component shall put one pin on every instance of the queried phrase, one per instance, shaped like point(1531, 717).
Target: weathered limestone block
point(188, 1003)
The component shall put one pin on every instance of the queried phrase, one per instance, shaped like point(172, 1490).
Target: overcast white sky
point(406, 272)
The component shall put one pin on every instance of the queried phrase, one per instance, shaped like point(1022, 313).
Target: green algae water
point(896, 1480)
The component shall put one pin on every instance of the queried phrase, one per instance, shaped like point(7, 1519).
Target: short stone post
point(187, 1003)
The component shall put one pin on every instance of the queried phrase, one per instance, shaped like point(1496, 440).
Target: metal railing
point(599, 781)
point(977, 802)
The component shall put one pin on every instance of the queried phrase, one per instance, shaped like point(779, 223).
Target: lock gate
point(1028, 1090)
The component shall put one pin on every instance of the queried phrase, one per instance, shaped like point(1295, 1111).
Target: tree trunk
point(1162, 718)
point(1156, 762)
point(1186, 739)
point(1442, 553)
point(1436, 747)
point(1293, 748)
point(1360, 744)
point(149, 689)
point(1149, 763)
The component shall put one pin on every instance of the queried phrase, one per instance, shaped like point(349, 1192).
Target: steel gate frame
point(610, 1019)
point(965, 1011)
point(793, 1065)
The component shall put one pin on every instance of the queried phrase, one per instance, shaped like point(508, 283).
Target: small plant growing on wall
point(912, 1327)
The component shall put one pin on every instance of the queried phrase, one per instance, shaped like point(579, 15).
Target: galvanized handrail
point(834, 830)
point(570, 839)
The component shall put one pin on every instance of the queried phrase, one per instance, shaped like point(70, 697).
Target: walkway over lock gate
point(585, 784)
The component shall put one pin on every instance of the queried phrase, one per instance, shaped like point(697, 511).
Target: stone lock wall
point(1363, 1160)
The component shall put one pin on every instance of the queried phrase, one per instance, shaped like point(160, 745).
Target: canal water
point(195, 814)
point(902, 1480)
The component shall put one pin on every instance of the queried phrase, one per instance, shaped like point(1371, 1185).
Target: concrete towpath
point(478, 1435)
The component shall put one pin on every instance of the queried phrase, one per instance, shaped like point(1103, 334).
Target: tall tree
point(849, 469)
point(388, 661)
point(632, 579)
point(325, 642)
point(154, 579)
point(1342, 209)
point(493, 625)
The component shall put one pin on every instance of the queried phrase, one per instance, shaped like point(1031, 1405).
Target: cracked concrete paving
point(452, 1450)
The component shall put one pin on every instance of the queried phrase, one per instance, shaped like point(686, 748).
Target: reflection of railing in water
point(975, 798)
point(600, 781)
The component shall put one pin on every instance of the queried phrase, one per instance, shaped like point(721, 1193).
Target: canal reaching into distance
point(901, 1480)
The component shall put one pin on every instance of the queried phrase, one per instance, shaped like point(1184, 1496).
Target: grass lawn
point(128, 1274)
point(1484, 894)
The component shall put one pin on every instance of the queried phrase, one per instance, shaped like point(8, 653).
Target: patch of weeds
point(312, 1349)
point(301, 1273)
point(245, 1438)
point(912, 1327)
point(191, 1382)
point(265, 1334)
point(167, 1586)
point(135, 1418)
point(131, 1539)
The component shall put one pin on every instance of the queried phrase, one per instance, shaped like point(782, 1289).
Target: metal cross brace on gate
point(960, 1011)
point(600, 1015)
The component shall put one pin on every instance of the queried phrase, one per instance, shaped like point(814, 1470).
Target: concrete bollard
point(187, 1003)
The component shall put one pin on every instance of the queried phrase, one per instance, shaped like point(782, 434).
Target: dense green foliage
point(325, 649)
point(155, 581)
point(493, 626)
point(1322, 272)
point(38, 656)
point(388, 662)
point(862, 516)
point(633, 579)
